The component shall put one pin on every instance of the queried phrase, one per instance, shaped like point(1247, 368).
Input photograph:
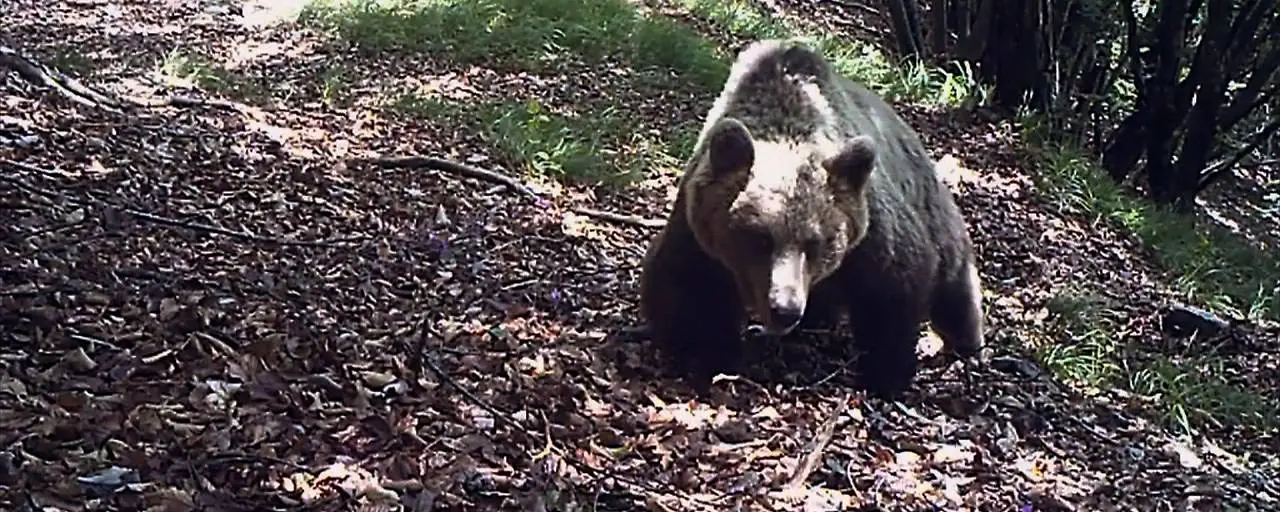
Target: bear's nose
point(784, 316)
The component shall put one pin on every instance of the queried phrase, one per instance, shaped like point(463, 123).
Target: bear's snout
point(784, 318)
point(788, 291)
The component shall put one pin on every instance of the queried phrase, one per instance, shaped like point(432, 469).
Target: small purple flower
point(438, 245)
point(555, 297)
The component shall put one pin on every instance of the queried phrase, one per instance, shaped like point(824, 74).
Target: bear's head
point(779, 215)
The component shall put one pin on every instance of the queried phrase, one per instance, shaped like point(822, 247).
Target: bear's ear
point(854, 163)
point(729, 147)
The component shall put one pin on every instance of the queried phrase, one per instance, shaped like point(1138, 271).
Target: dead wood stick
point(440, 164)
point(813, 451)
point(180, 101)
point(40, 74)
point(630, 220)
point(469, 171)
point(160, 219)
point(71, 88)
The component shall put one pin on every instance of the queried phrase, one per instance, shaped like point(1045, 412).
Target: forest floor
point(233, 297)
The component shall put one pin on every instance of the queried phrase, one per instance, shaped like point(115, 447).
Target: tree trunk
point(1255, 89)
point(904, 31)
point(972, 48)
point(1163, 117)
point(1124, 148)
point(938, 27)
point(1202, 123)
point(960, 20)
point(1012, 57)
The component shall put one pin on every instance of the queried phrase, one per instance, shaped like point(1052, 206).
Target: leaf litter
point(212, 305)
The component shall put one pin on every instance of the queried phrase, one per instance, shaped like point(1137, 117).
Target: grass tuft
point(203, 72)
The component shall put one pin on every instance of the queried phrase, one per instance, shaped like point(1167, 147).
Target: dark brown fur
point(832, 181)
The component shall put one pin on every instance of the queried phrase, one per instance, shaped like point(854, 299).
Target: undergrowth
point(1207, 266)
point(194, 69)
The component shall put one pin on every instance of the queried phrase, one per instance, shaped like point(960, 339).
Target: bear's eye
point(757, 241)
point(813, 246)
point(818, 245)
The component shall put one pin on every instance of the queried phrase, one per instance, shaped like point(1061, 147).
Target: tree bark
point(1164, 117)
point(1124, 148)
point(905, 32)
point(1202, 123)
point(938, 27)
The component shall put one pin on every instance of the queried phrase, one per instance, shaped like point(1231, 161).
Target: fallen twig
point(159, 219)
point(440, 164)
point(497, 178)
point(179, 101)
point(42, 75)
point(630, 220)
point(71, 88)
point(813, 451)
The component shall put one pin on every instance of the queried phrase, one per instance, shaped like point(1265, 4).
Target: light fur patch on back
point(776, 161)
point(748, 61)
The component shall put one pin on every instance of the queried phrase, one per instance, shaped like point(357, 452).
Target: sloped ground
point(214, 307)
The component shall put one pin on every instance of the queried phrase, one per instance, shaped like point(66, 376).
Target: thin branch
point(497, 178)
point(630, 220)
point(813, 451)
point(180, 101)
point(42, 75)
point(71, 88)
point(440, 164)
point(159, 219)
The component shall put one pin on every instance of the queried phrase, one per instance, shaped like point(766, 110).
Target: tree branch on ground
point(813, 451)
point(42, 75)
point(154, 218)
point(72, 89)
point(497, 178)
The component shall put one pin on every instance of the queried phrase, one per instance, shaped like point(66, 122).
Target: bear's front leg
point(696, 321)
point(886, 338)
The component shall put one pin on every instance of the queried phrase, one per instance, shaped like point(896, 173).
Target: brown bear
point(807, 197)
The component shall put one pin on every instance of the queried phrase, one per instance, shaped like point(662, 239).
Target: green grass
point(597, 149)
point(861, 61)
point(1209, 265)
point(203, 72)
point(1187, 392)
point(530, 35)
point(538, 36)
